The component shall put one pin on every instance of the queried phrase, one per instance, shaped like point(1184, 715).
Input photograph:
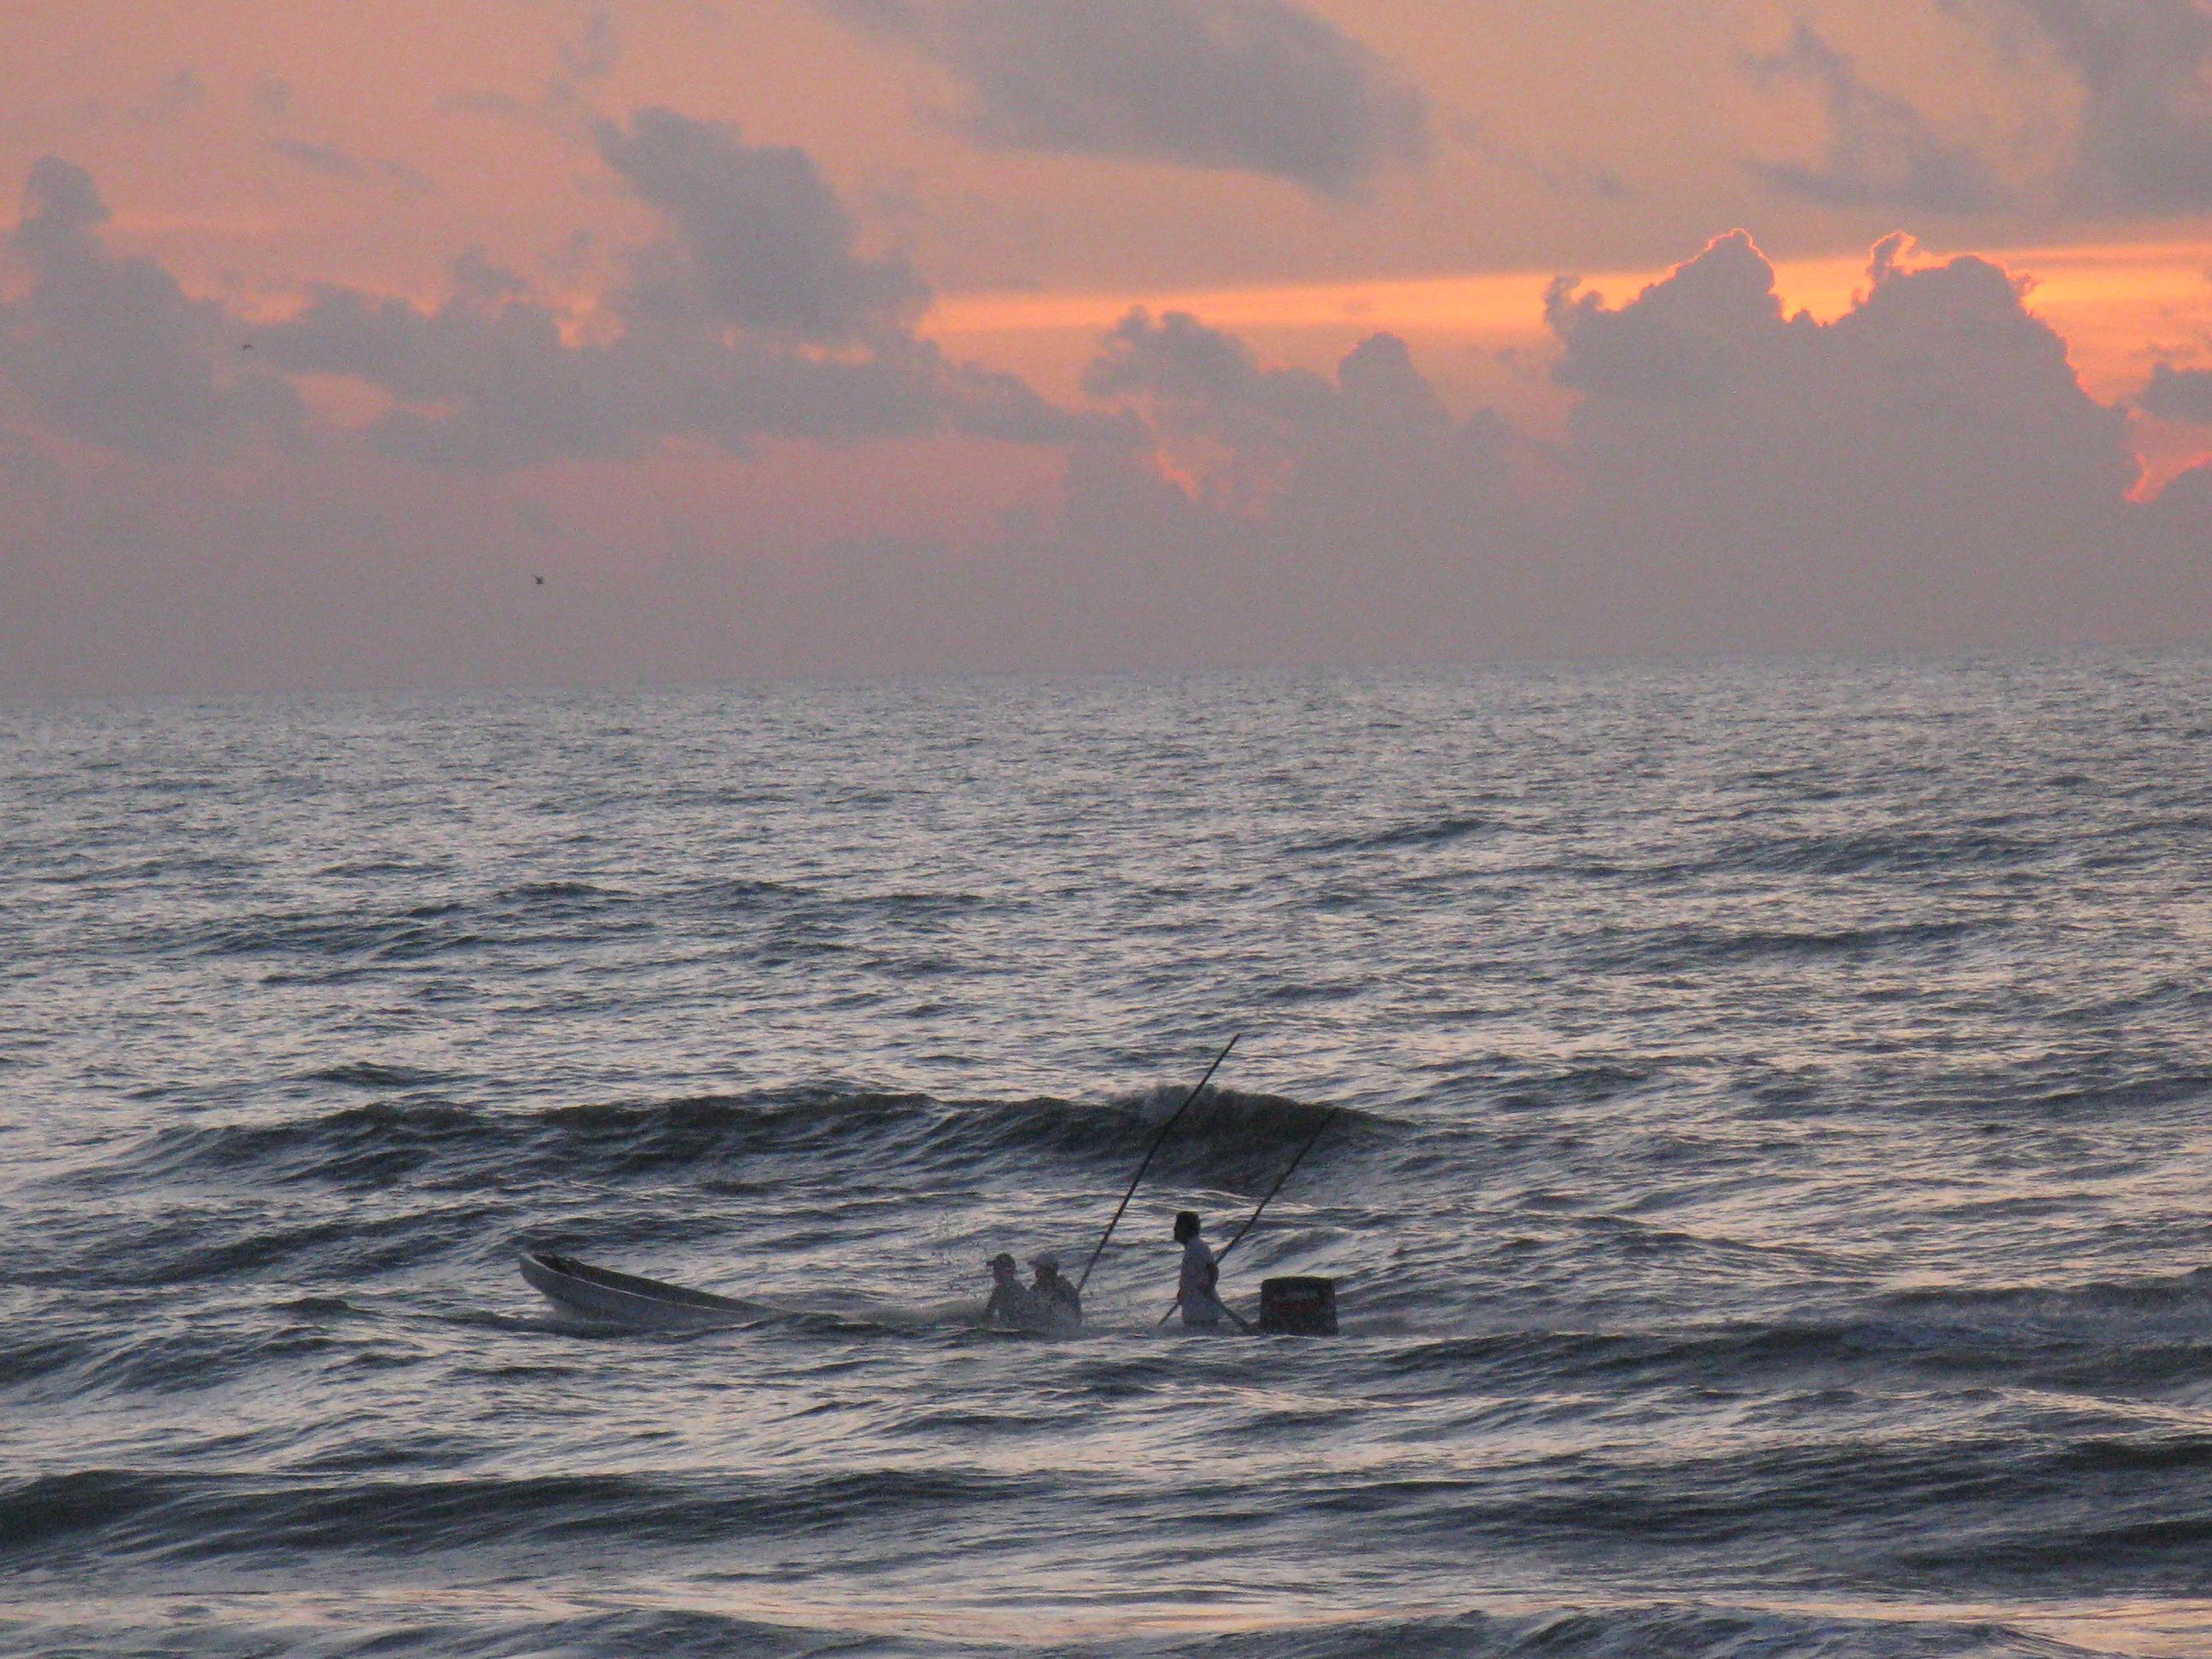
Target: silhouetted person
point(1055, 1299)
point(1009, 1304)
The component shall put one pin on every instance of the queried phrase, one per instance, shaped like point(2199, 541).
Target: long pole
point(1311, 1140)
point(1280, 1179)
point(1158, 1141)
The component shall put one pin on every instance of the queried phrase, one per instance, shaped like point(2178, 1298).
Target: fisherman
point(1056, 1300)
point(1196, 1291)
point(1009, 1304)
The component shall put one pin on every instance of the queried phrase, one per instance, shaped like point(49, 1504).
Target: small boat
point(599, 1293)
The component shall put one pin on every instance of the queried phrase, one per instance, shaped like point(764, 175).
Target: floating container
point(1298, 1307)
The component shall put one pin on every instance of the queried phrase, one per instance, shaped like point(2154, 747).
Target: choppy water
point(1768, 1210)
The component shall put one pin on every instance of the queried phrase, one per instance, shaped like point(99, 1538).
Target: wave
point(244, 1517)
point(2132, 1305)
point(1591, 1626)
point(1686, 946)
point(143, 1353)
point(1946, 1504)
point(1876, 851)
point(1229, 1139)
point(2093, 1337)
point(341, 942)
point(1420, 832)
point(366, 1074)
point(1625, 1628)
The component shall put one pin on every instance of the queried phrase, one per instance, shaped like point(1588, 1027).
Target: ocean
point(1769, 1203)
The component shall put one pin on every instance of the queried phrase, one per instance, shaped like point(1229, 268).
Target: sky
point(428, 343)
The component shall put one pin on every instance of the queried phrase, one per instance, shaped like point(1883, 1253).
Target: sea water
point(1769, 1206)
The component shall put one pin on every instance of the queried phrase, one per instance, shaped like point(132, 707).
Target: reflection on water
point(1767, 1210)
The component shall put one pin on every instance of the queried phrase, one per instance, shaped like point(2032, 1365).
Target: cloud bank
point(1923, 470)
point(742, 457)
point(1925, 467)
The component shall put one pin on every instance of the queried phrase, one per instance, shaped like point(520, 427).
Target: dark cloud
point(2175, 532)
point(1880, 152)
point(1692, 336)
point(1179, 359)
point(2179, 394)
point(2142, 142)
point(1923, 466)
point(2145, 69)
point(476, 275)
point(1290, 514)
point(1192, 379)
point(1258, 86)
point(488, 383)
point(111, 348)
point(754, 316)
point(761, 240)
point(1923, 470)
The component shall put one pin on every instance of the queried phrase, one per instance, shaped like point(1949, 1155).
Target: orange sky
point(465, 124)
point(2120, 305)
point(465, 121)
point(259, 149)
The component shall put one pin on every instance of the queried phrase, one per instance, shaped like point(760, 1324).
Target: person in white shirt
point(1196, 1291)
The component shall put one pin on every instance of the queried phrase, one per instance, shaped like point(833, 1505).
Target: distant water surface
point(1768, 1206)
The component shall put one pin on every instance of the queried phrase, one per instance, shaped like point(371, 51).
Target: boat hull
point(610, 1297)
